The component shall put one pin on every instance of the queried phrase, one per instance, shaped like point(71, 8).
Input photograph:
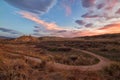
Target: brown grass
point(15, 67)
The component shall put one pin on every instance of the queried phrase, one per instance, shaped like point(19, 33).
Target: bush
point(59, 49)
point(112, 72)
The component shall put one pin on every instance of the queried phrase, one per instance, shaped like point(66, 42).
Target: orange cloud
point(87, 33)
point(112, 28)
point(108, 29)
point(32, 17)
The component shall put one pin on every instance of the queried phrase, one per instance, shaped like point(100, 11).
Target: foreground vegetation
point(21, 69)
point(65, 51)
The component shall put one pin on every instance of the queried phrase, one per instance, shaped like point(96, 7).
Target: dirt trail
point(102, 63)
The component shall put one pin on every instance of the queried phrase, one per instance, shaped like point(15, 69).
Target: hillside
point(117, 35)
point(3, 37)
point(26, 39)
point(56, 58)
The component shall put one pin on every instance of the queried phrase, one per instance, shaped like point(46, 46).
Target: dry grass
point(16, 67)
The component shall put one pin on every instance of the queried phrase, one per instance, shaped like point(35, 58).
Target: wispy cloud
point(111, 28)
point(50, 28)
point(34, 6)
point(89, 25)
point(100, 13)
point(67, 5)
point(88, 3)
point(80, 22)
point(118, 11)
point(67, 9)
point(111, 4)
point(10, 31)
point(35, 18)
point(100, 6)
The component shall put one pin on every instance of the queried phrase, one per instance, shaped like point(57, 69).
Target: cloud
point(67, 4)
point(36, 30)
point(118, 11)
point(100, 6)
point(67, 9)
point(111, 28)
point(107, 29)
point(89, 25)
point(77, 27)
point(61, 31)
point(86, 33)
point(111, 4)
point(80, 22)
point(9, 31)
point(36, 27)
point(49, 28)
point(39, 34)
point(34, 6)
point(88, 3)
point(34, 18)
point(90, 15)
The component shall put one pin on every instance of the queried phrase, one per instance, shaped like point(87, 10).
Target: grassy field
point(109, 49)
point(21, 69)
point(65, 51)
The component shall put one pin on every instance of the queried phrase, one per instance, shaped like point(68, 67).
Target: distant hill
point(26, 39)
point(116, 35)
point(47, 38)
point(50, 38)
point(4, 37)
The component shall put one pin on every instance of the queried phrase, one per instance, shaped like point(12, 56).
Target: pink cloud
point(58, 31)
point(118, 11)
point(67, 6)
point(32, 17)
point(111, 28)
point(88, 3)
point(67, 9)
point(111, 4)
point(108, 29)
point(88, 33)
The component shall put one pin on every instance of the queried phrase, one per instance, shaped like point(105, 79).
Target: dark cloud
point(78, 27)
point(9, 31)
point(100, 6)
point(35, 6)
point(90, 15)
point(80, 22)
point(111, 4)
point(88, 3)
point(36, 27)
point(89, 25)
point(36, 30)
point(36, 34)
point(118, 11)
point(61, 31)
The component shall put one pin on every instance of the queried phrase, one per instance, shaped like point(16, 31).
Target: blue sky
point(65, 18)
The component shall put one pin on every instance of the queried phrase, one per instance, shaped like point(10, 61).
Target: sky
point(62, 18)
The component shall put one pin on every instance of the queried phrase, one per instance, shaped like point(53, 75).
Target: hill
point(4, 37)
point(26, 39)
point(117, 35)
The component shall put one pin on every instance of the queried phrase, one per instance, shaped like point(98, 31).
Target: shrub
point(112, 72)
point(62, 49)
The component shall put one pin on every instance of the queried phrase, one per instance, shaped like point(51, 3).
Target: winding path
point(101, 64)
